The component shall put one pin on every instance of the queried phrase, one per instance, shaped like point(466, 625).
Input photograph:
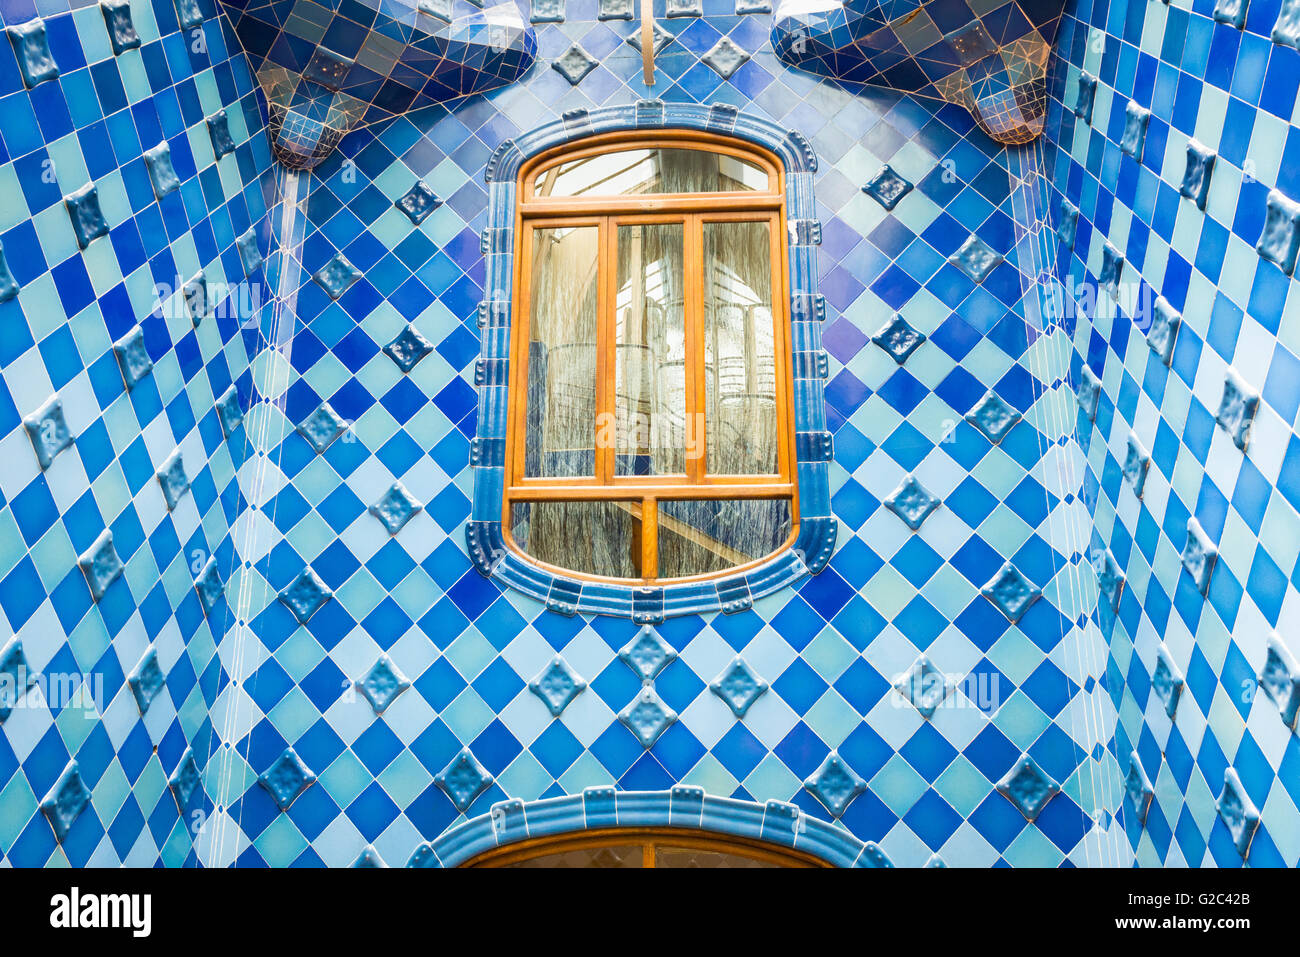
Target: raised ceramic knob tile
point(1085, 95)
point(121, 31)
point(1028, 787)
point(557, 685)
point(16, 677)
point(1199, 554)
point(1011, 592)
point(132, 357)
point(898, 339)
point(162, 174)
point(1280, 239)
point(615, 10)
point(322, 427)
point(976, 258)
point(65, 801)
point(188, 13)
point(1089, 393)
point(418, 202)
point(1237, 812)
point(912, 502)
point(382, 683)
point(1286, 30)
point(993, 417)
point(1136, 463)
point(753, 6)
point(1134, 139)
point(725, 58)
point(1280, 679)
point(1196, 176)
point(229, 411)
point(1167, 681)
point(647, 654)
point(88, 223)
point(739, 686)
point(463, 780)
point(1112, 268)
point(1237, 409)
point(48, 431)
point(661, 38)
point(1110, 580)
point(684, 8)
point(369, 858)
point(575, 64)
point(185, 779)
point(101, 564)
point(1138, 786)
point(219, 132)
point(1165, 323)
point(195, 294)
point(1068, 224)
point(250, 255)
point(397, 507)
point(546, 11)
point(209, 586)
point(173, 480)
point(835, 784)
point(305, 595)
point(8, 285)
point(336, 276)
point(1231, 12)
point(32, 48)
point(647, 717)
point(408, 348)
point(287, 778)
point(925, 686)
point(887, 187)
point(146, 679)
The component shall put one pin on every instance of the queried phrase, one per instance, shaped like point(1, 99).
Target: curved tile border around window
point(817, 526)
point(686, 807)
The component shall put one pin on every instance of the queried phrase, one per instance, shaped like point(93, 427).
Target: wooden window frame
point(650, 839)
point(693, 210)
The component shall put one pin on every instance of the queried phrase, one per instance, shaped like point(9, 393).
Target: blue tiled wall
point(92, 125)
point(1233, 89)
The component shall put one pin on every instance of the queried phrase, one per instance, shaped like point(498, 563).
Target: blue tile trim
point(817, 528)
point(689, 808)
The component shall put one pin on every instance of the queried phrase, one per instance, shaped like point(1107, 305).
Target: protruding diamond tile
point(1199, 554)
point(1231, 12)
point(382, 683)
point(1028, 787)
point(1286, 30)
point(132, 357)
point(661, 38)
point(1110, 580)
point(408, 348)
point(48, 431)
point(1237, 811)
point(1089, 394)
point(397, 507)
point(88, 223)
point(65, 801)
point(993, 416)
point(1084, 97)
point(575, 64)
point(463, 780)
point(1196, 176)
point(286, 778)
point(1138, 786)
point(1280, 679)
point(209, 586)
point(229, 411)
point(146, 679)
point(976, 258)
point(835, 784)
point(546, 11)
point(1011, 592)
point(219, 132)
point(647, 654)
point(195, 294)
point(322, 427)
point(1280, 240)
point(739, 686)
point(305, 595)
point(887, 187)
point(1167, 680)
point(616, 10)
point(336, 276)
point(419, 201)
point(101, 564)
point(1136, 118)
point(1165, 322)
point(647, 717)
point(1237, 409)
point(1112, 268)
point(185, 779)
point(725, 58)
point(16, 677)
point(250, 254)
point(369, 858)
point(173, 480)
point(32, 48)
point(925, 686)
point(188, 13)
point(898, 339)
point(162, 174)
point(912, 502)
point(557, 685)
point(1136, 463)
point(684, 8)
point(121, 30)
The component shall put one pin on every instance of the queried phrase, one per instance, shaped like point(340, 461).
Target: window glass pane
point(624, 855)
point(650, 361)
point(697, 857)
point(701, 537)
point(739, 343)
point(561, 410)
point(591, 538)
point(636, 172)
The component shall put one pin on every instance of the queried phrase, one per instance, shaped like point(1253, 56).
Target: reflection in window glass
point(591, 538)
point(739, 344)
point(636, 172)
point(700, 537)
point(618, 856)
point(650, 361)
point(561, 407)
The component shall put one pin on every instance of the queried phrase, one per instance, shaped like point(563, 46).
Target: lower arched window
point(643, 848)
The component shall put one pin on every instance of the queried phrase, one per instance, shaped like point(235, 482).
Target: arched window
point(650, 433)
point(645, 847)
